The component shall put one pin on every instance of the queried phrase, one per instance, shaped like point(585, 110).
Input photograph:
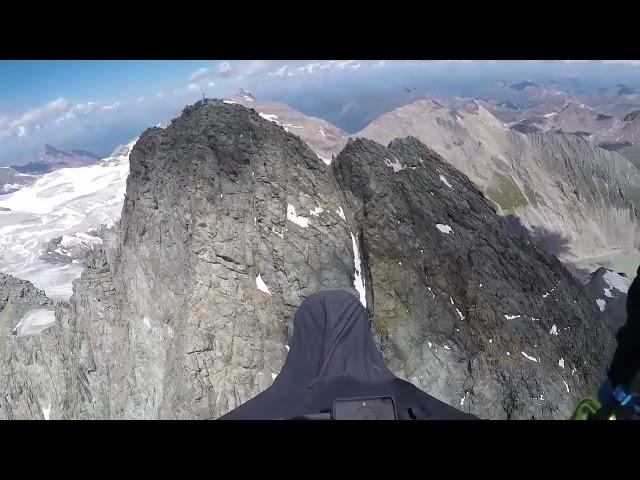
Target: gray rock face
point(29, 365)
point(229, 222)
point(219, 205)
point(471, 314)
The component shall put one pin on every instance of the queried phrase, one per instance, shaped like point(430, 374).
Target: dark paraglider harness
point(368, 408)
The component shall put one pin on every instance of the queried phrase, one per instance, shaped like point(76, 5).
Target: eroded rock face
point(229, 222)
point(218, 204)
point(466, 311)
point(26, 366)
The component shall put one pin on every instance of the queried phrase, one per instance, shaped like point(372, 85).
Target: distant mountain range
point(50, 158)
point(15, 177)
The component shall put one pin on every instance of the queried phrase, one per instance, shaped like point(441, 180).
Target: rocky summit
point(229, 222)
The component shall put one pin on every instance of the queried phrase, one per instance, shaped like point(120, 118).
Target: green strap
point(586, 408)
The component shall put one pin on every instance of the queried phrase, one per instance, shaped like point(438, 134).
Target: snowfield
point(69, 202)
point(34, 322)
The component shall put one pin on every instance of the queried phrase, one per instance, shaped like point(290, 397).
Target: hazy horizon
point(98, 105)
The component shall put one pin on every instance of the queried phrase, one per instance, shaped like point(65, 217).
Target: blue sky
point(97, 105)
point(27, 84)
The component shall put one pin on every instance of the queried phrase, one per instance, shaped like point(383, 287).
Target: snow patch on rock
point(617, 281)
point(297, 219)
point(46, 412)
point(444, 228)
point(529, 357)
point(445, 181)
point(396, 165)
point(34, 322)
point(316, 211)
point(358, 281)
point(261, 285)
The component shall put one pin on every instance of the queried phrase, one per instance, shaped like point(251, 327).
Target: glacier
point(71, 203)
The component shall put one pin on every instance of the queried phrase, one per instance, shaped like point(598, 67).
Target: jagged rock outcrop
point(473, 315)
point(229, 222)
point(29, 364)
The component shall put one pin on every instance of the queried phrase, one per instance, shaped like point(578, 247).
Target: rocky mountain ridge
point(540, 180)
point(230, 221)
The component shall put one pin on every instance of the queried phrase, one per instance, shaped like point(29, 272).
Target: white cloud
point(351, 64)
point(281, 71)
point(630, 63)
point(159, 95)
point(113, 106)
point(324, 66)
point(255, 67)
point(199, 74)
point(309, 68)
point(85, 107)
point(237, 70)
point(193, 87)
point(212, 84)
point(17, 126)
point(51, 109)
point(52, 113)
point(224, 69)
point(141, 99)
